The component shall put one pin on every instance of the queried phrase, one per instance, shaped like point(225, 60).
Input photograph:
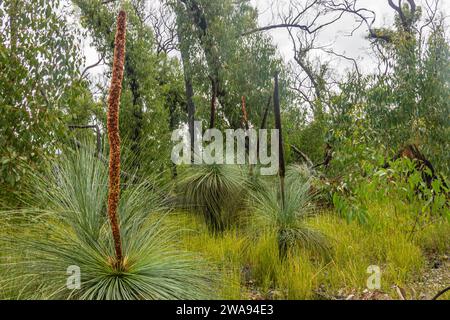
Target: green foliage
point(288, 221)
point(216, 191)
point(411, 105)
point(308, 137)
point(66, 225)
point(38, 67)
point(394, 218)
point(348, 211)
point(243, 65)
point(409, 184)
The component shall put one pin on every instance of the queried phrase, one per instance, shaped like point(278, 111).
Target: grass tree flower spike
point(113, 133)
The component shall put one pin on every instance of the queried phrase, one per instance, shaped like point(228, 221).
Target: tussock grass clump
point(250, 267)
point(294, 277)
point(67, 225)
point(215, 191)
point(225, 252)
point(288, 220)
point(435, 238)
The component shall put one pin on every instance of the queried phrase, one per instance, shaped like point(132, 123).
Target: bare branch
point(162, 21)
point(84, 73)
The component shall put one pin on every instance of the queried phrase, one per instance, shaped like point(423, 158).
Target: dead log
point(303, 156)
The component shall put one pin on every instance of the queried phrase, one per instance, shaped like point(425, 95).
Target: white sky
point(355, 46)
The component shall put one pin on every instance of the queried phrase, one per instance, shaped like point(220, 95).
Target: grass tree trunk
point(282, 165)
point(247, 138)
point(264, 119)
point(113, 134)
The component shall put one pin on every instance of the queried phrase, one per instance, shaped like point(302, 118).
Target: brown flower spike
point(113, 133)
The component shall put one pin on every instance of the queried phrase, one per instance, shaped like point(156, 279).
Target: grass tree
point(65, 227)
point(215, 191)
point(64, 247)
point(288, 219)
point(284, 209)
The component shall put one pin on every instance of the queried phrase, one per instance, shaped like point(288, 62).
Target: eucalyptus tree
point(408, 103)
point(224, 63)
point(152, 97)
point(402, 103)
point(39, 77)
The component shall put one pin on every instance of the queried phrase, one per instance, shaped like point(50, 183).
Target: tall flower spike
point(244, 113)
point(113, 133)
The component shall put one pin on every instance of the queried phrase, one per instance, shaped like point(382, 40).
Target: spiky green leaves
point(288, 221)
point(71, 228)
point(215, 191)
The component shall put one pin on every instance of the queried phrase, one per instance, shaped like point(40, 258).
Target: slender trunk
point(138, 118)
point(173, 122)
point(113, 133)
point(266, 112)
point(212, 120)
point(264, 118)
point(282, 166)
point(190, 110)
point(188, 88)
point(247, 138)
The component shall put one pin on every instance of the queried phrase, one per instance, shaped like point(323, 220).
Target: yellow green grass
point(250, 266)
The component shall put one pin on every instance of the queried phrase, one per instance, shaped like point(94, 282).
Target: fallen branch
point(305, 158)
point(440, 293)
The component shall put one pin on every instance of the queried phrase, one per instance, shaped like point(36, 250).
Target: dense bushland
point(364, 162)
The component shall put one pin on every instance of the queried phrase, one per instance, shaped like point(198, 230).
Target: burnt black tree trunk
point(277, 112)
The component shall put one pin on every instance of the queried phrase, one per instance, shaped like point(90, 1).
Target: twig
point(440, 293)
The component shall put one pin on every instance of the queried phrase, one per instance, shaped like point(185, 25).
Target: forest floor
point(411, 268)
point(435, 278)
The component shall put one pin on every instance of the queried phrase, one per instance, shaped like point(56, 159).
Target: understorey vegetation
point(92, 206)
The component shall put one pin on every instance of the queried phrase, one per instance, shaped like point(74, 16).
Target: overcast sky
point(355, 46)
